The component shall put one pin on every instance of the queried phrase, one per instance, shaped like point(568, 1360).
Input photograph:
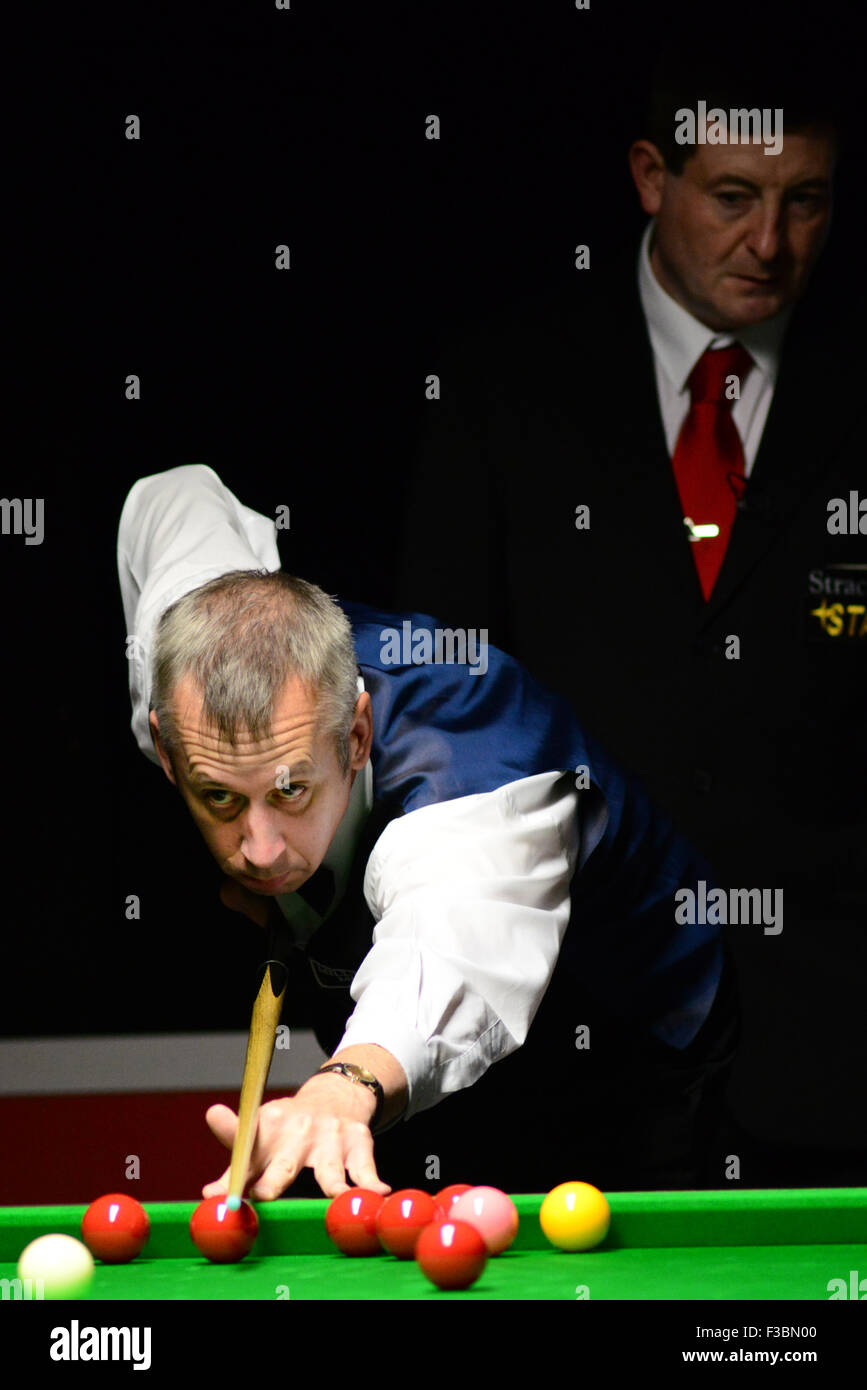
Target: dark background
point(303, 388)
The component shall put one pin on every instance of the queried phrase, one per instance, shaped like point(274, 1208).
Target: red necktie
point(708, 458)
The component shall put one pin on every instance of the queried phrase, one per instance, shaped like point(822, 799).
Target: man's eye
point(292, 790)
point(732, 199)
point(213, 798)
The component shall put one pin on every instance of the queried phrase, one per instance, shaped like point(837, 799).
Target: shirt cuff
point(427, 1085)
point(405, 1045)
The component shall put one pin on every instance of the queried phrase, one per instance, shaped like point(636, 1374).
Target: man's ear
point(649, 173)
point(361, 733)
point(160, 748)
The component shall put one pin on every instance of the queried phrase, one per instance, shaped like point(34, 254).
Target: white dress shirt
point(471, 897)
point(678, 341)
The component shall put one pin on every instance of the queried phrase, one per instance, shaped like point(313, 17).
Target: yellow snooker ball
point(60, 1267)
point(575, 1216)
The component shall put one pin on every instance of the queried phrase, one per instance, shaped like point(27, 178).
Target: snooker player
point(445, 846)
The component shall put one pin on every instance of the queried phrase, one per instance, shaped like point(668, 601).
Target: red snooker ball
point(401, 1219)
point(446, 1199)
point(115, 1228)
point(221, 1235)
point(451, 1253)
point(351, 1221)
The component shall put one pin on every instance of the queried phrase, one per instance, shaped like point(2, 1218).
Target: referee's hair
point(755, 63)
point(241, 637)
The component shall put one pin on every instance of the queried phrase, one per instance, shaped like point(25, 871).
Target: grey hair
point(241, 637)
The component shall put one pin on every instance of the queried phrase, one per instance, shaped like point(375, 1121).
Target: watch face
point(361, 1075)
point(354, 1072)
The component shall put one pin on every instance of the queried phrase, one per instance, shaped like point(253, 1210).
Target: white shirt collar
point(679, 340)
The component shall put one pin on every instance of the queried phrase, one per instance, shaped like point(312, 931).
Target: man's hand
point(326, 1127)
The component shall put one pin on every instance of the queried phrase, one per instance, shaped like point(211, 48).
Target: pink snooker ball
point(493, 1214)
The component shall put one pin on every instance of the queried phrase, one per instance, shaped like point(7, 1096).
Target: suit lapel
point(632, 441)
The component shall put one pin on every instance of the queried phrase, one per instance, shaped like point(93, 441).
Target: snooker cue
point(257, 1063)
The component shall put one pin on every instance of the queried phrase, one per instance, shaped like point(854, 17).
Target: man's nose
point(262, 842)
point(767, 232)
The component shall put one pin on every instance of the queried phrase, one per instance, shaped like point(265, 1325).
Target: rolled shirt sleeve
point(471, 899)
point(178, 529)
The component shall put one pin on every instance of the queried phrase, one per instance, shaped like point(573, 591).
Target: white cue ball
point(63, 1263)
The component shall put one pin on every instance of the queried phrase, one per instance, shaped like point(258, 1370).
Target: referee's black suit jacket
point(761, 758)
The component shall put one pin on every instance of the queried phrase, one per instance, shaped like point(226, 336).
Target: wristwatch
point(363, 1078)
